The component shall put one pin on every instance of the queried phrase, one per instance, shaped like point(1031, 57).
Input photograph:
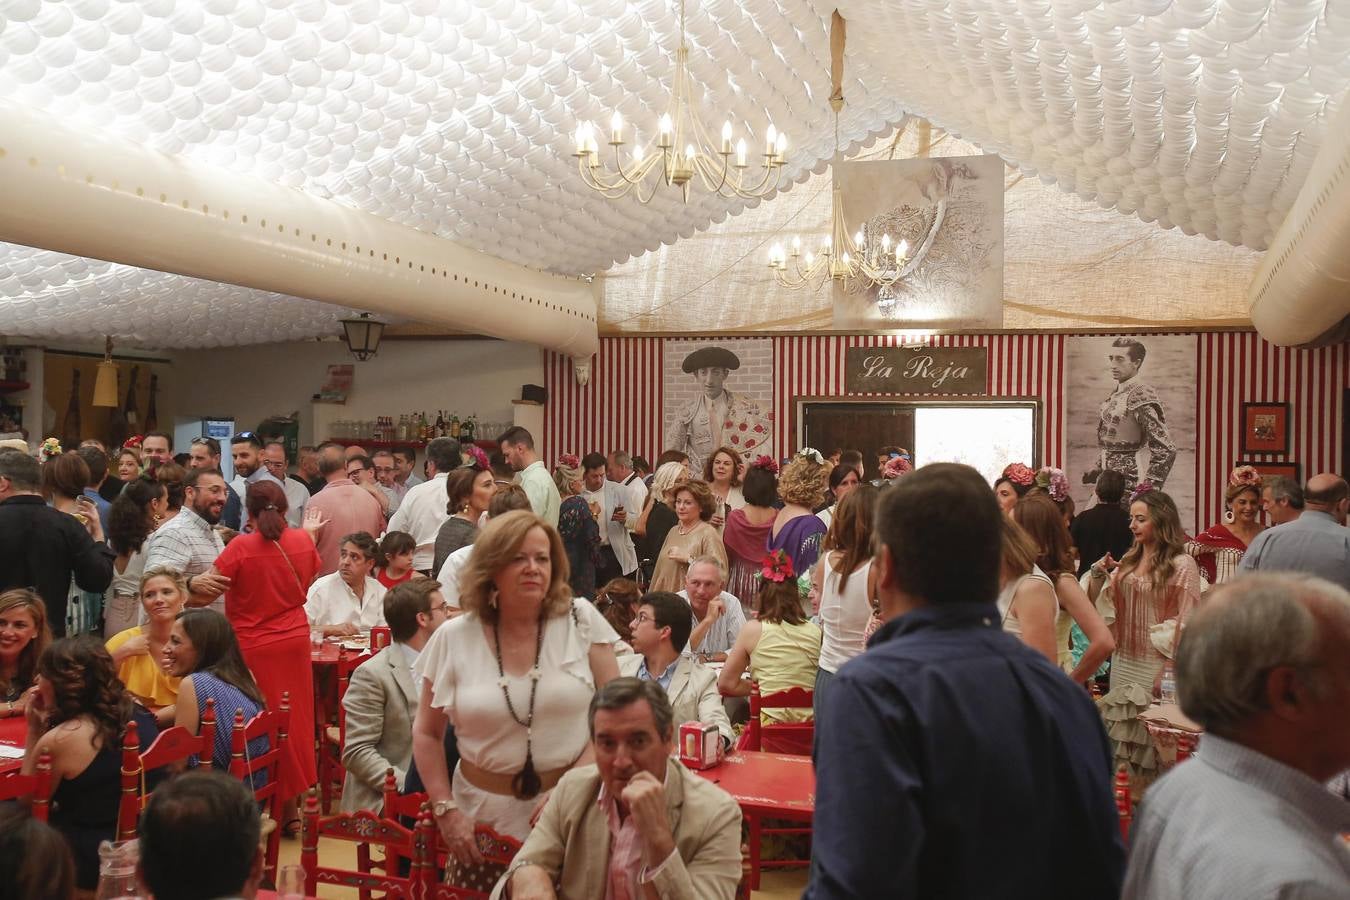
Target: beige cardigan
point(571, 840)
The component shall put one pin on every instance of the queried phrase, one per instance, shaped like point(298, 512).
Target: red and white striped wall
point(621, 407)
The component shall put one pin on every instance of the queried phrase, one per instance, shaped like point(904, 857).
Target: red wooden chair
point(1124, 806)
point(333, 734)
point(171, 746)
point(362, 828)
point(35, 791)
point(263, 771)
point(429, 849)
point(793, 738)
point(786, 737)
point(129, 804)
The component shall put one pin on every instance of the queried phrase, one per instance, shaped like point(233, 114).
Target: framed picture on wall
point(1265, 428)
point(1287, 469)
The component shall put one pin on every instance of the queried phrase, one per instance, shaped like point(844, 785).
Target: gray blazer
point(380, 704)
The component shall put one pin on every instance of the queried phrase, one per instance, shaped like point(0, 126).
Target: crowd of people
point(551, 627)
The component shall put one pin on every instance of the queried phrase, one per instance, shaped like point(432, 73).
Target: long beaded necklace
point(525, 784)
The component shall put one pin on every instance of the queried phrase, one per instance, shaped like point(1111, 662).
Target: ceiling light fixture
point(684, 148)
point(362, 335)
point(105, 378)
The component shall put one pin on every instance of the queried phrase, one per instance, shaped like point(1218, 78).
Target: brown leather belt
point(497, 783)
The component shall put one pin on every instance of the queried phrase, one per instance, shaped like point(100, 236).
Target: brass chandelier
point(683, 150)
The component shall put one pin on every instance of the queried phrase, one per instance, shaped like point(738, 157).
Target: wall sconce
point(105, 378)
point(362, 335)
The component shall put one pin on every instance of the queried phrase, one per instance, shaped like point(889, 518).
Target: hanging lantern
point(362, 335)
point(105, 379)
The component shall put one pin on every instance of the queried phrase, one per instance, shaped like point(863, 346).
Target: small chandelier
point(859, 263)
point(362, 335)
point(683, 149)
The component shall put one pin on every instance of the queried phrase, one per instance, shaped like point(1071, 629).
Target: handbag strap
point(290, 565)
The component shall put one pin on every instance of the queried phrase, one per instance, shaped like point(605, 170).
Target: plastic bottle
point(1168, 691)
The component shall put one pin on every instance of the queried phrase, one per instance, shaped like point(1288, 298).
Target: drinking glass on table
point(291, 882)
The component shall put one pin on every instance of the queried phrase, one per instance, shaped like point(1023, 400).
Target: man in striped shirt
point(1265, 668)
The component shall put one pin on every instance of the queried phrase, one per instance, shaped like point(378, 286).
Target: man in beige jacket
point(665, 832)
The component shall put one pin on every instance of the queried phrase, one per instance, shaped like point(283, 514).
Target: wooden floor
point(777, 885)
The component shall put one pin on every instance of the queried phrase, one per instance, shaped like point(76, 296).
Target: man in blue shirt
point(953, 761)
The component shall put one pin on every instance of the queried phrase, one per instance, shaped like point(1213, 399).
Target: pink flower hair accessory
point(569, 461)
point(1018, 473)
point(768, 463)
point(1054, 482)
point(480, 458)
point(896, 467)
point(1140, 489)
point(1244, 475)
point(776, 567)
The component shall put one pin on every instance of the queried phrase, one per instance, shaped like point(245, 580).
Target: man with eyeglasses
point(362, 473)
point(382, 697)
point(204, 453)
point(274, 460)
point(386, 478)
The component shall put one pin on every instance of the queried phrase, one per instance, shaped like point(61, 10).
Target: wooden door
point(866, 427)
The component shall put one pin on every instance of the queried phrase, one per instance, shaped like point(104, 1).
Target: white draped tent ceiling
point(455, 117)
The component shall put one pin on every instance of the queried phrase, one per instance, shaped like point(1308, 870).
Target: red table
point(766, 785)
point(13, 733)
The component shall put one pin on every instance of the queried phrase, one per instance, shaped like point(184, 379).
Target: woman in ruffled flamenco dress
point(1219, 548)
point(1155, 586)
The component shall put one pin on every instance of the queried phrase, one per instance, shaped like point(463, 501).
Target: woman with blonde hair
point(23, 636)
point(1026, 601)
point(138, 652)
point(1155, 587)
point(796, 530)
point(722, 472)
point(693, 536)
point(658, 516)
point(1219, 548)
point(577, 527)
point(515, 675)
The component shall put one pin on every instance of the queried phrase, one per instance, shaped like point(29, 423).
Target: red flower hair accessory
point(765, 462)
point(1244, 475)
point(1140, 489)
point(776, 567)
point(133, 442)
point(569, 461)
point(1017, 473)
point(1054, 482)
point(480, 459)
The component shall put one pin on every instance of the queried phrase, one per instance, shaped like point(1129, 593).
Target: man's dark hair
point(168, 438)
point(247, 437)
point(403, 603)
point(199, 837)
point(407, 454)
point(516, 435)
point(192, 476)
point(641, 466)
point(332, 459)
point(620, 693)
point(851, 458)
point(1110, 486)
point(211, 444)
point(97, 461)
point(668, 456)
point(22, 470)
point(943, 529)
point(362, 461)
point(281, 444)
point(35, 859)
point(1282, 487)
point(1136, 350)
point(671, 611)
point(592, 461)
point(501, 469)
point(362, 541)
point(444, 454)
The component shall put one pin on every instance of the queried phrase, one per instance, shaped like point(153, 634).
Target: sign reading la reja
point(916, 370)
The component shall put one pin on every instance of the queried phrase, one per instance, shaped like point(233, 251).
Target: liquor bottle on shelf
point(424, 429)
point(466, 430)
point(440, 424)
point(455, 429)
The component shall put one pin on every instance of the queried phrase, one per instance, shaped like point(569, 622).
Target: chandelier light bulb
point(637, 154)
point(770, 140)
point(810, 259)
point(663, 129)
point(846, 258)
point(885, 242)
point(780, 146)
point(796, 245)
point(829, 242)
point(726, 136)
point(740, 153)
point(901, 249)
point(860, 240)
point(616, 129)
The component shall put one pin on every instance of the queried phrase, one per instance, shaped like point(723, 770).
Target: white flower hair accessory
point(813, 454)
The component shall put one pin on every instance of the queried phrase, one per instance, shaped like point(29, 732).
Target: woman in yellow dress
point(138, 652)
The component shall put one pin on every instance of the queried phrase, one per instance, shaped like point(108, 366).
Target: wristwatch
point(441, 807)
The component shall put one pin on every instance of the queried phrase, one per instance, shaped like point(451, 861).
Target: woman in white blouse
point(515, 675)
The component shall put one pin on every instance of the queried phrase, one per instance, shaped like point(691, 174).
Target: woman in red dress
point(270, 571)
point(1219, 548)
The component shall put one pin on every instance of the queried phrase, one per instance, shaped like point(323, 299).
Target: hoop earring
point(1228, 517)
